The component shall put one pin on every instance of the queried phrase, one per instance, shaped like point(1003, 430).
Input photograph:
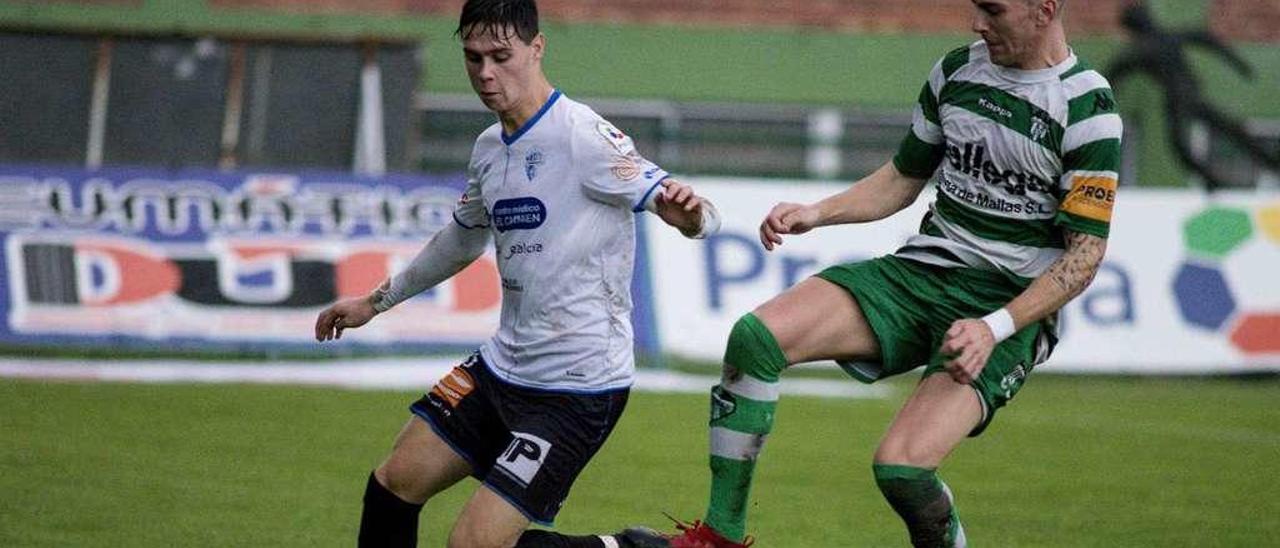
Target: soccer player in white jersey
point(1028, 141)
point(557, 188)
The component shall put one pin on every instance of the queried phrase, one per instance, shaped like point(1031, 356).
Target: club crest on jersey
point(614, 137)
point(532, 160)
point(1013, 379)
point(1039, 129)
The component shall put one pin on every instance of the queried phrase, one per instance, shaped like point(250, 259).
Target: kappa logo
point(997, 109)
point(1103, 103)
point(523, 458)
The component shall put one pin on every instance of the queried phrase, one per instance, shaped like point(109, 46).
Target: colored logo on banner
point(213, 259)
point(75, 284)
point(1214, 291)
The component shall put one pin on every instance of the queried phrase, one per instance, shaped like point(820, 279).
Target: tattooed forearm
point(1065, 278)
point(1075, 269)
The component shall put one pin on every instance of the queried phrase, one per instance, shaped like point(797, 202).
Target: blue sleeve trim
point(465, 225)
point(640, 205)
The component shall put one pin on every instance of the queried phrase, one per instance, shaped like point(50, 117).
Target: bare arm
point(447, 253)
point(874, 197)
point(1066, 278)
point(972, 340)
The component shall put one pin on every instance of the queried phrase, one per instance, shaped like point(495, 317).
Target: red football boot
point(691, 535)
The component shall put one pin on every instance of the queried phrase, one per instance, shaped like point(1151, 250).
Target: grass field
point(1073, 462)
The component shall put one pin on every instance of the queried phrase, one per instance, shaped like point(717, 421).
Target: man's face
point(1009, 27)
point(501, 66)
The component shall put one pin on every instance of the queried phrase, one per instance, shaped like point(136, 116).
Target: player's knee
point(753, 350)
point(401, 481)
point(473, 534)
point(909, 447)
point(906, 452)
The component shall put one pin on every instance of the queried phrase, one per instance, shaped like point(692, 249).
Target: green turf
point(1073, 462)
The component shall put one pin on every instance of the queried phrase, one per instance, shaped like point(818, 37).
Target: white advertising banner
point(1191, 284)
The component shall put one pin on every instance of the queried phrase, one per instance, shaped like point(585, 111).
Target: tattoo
point(1075, 269)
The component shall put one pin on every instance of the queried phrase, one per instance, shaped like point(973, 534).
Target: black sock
point(387, 521)
point(537, 538)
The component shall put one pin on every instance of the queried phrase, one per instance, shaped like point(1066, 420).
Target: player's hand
point(345, 314)
point(786, 218)
point(678, 206)
point(969, 343)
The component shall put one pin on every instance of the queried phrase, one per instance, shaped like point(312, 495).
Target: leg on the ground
point(488, 521)
point(538, 538)
point(935, 419)
point(421, 464)
point(815, 319)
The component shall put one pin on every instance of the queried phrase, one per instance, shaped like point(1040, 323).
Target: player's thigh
point(421, 464)
point(487, 521)
point(817, 320)
point(939, 414)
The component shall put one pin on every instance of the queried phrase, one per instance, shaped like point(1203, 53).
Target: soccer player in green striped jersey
point(1027, 140)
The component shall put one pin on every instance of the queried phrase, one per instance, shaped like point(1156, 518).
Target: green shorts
point(911, 305)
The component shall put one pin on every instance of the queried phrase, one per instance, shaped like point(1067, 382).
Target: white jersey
point(560, 197)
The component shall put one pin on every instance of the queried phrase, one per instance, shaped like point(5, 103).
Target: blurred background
point(185, 184)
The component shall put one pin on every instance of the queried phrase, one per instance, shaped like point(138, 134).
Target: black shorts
point(527, 445)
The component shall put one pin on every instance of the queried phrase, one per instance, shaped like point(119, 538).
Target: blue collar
point(507, 140)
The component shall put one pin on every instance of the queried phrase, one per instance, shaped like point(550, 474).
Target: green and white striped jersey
point(1025, 154)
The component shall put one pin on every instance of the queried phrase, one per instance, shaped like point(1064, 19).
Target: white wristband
point(710, 221)
point(1001, 324)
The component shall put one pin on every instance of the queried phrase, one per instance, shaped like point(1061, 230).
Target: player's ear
point(1046, 12)
point(539, 45)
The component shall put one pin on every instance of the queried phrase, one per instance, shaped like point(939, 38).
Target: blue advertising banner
point(208, 260)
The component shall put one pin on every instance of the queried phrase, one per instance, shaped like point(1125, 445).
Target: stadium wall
point(136, 261)
point(1187, 286)
point(145, 261)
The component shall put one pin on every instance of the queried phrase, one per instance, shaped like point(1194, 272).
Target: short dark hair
point(500, 18)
